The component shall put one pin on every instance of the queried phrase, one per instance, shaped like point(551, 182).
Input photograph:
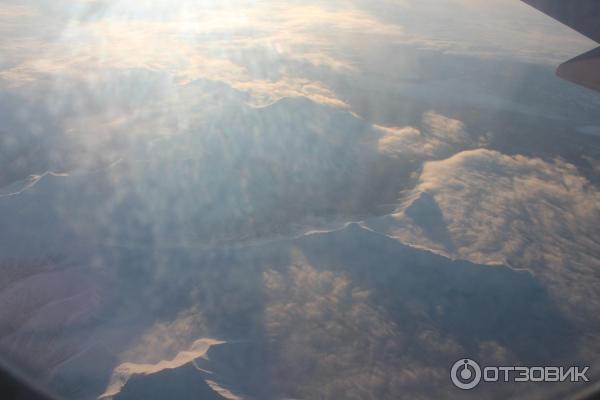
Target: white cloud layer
point(529, 213)
point(438, 136)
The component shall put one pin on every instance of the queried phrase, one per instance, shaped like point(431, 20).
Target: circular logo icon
point(465, 374)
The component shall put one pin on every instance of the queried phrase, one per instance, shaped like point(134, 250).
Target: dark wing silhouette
point(584, 17)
